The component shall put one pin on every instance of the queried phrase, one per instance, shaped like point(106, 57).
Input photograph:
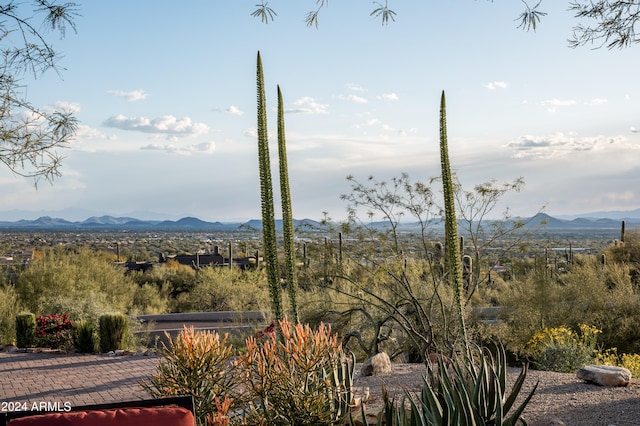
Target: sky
point(166, 99)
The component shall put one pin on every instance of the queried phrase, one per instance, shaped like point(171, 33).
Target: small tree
point(29, 136)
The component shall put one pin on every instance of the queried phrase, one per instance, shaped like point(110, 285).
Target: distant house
point(198, 261)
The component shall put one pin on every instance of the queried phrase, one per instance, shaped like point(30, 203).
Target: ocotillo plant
point(266, 196)
point(451, 225)
point(287, 214)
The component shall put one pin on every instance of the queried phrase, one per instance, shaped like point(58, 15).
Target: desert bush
point(89, 308)
point(471, 390)
point(77, 275)
point(171, 276)
point(113, 329)
point(224, 289)
point(9, 308)
point(198, 364)
point(587, 293)
point(301, 377)
point(25, 329)
point(149, 299)
point(561, 349)
point(84, 337)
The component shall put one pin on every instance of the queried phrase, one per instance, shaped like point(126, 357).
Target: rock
point(605, 375)
point(549, 421)
point(376, 365)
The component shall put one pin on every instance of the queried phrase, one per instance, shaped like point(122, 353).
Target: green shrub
point(9, 309)
point(113, 329)
point(77, 275)
point(197, 364)
point(25, 330)
point(84, 338)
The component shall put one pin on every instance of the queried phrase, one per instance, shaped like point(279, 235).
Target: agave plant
point(470, 391)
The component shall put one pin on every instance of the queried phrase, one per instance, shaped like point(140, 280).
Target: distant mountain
point(613, 214)
point(191, 224)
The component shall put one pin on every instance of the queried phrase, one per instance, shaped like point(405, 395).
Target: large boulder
point(605, 375)
point(376, 365)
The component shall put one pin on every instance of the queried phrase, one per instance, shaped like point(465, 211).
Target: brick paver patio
point(73, 379)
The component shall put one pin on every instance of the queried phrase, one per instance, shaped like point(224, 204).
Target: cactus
point(622, 232)
point(451, 225)
point(287, 215)
point(113, 329)
point(266, 195)
point(25, 330)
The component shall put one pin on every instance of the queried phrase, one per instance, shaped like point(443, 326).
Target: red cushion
point(156, 416)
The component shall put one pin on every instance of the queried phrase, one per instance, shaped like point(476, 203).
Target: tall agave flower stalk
point(287, 214)
point(451, 226)
point(266, 196)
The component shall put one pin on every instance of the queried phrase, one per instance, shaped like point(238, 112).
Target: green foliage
point(172, 277)
point(75, 276)
point(25, 330)
point(198, 364)
point(84, 337)
point(471, 391)
point(149, 299)
point(113, 330)
point(454, 266)
point(287, 214)
point(224, 289)
point(266, 197)
point(304, 378)
point(588, 293)
point(9, 309)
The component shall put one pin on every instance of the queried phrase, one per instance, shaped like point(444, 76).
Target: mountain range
point(104, 223)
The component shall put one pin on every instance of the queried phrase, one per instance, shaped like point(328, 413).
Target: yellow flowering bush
point(611, 357)
point(562, 349)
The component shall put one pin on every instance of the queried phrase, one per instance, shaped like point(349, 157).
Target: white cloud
point(166, 124)
point(308, 105)
point(355, 87)
point(388, 97)
point(553, 104)
point(633, 130)
point(234, 110)
point(66, 106)
point(559, 145)
point(353, 98)
point(201, 148)
point(370, 122)
point(132, 96)
point(495, 85)
point(596, 101)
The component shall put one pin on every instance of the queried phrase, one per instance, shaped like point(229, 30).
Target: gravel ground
point(559, 395)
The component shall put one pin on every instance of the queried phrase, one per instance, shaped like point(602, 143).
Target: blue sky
point(166, 97)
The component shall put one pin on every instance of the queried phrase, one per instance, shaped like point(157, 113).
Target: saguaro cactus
point(287, 215)
point(451, 225)
point(266, 196)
